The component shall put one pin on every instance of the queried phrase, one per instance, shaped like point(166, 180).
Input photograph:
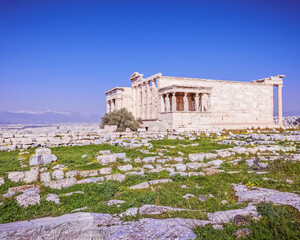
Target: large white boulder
point(140, 186)
point(115, 177)
point(194, 157)
point(88, 173)
point(71, 226)
point(71, 174)
point(45, 177)
point(16, 176)
point(42, 159)
point(32, 175)
point(105, 171)
point(53, 198)
point(180, 167)
point(107, 158)
point(29, 197)
point(58, 174)
point(125, 168)
point(42, 151)
point(63, 183)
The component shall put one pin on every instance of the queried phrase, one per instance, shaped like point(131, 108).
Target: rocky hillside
point(223, 185)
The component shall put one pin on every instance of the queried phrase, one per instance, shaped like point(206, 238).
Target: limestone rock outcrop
point(43, 156)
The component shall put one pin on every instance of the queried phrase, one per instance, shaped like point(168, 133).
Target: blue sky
point(63, 55)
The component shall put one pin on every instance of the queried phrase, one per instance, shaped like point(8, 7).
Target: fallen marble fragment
point(70, 193)
point(63, 183)
point(227, 216)
point(115, 202)
point(158, 181)
point(90, 180)
point(53, 198)
point(70, 226)
point(29, 197)
point(153, 229)
point(14, 190)
point(115, 177)
point(256, 195)
point(188, 196)
point(140, 186)
point(1, 180)
point(79, 209)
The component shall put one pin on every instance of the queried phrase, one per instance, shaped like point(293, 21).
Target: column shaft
point(167, 103)
point(197, 102)
point(279, 88)
point(174, 102)
point(137, 101)
point(142, 101)
point(148, 100)
point(185, 103)
point(155, 100)
point(162, 103)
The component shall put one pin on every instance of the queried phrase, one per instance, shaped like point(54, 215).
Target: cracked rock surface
point(256, 195)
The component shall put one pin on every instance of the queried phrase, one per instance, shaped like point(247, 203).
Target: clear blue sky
point(64, 54)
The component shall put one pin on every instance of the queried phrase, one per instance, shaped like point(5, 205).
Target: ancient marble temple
point(177, 103)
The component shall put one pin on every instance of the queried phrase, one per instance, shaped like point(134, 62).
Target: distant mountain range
point(46, 117)
point(49, 117)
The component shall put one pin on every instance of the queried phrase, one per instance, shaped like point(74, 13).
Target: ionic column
point(197, 102)
point(144, 108)
point(148, 115)
point(173, 102)
point(162, 103)
point(145, 100)
point(185, 103)
point(152, 101)
point(167, 103)
point(156, 100)
point(137, 102)
point(279, 97)
point(202, 106)
point(142, 101)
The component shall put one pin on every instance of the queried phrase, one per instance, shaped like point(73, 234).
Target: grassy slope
point(170, 194)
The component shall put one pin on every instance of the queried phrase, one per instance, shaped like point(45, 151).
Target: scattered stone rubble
point(260, 149)
point(105, 226)
point(14, 137)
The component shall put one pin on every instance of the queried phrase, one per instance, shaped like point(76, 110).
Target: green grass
point(205, 145)
point(277, 222)
point(9, 162)
point(72, 156)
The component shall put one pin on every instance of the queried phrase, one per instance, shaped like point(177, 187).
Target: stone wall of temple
point(118, 98)
point(230, 103)
point(177, 103)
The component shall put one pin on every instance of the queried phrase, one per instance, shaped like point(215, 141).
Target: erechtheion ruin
point(182, 104)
